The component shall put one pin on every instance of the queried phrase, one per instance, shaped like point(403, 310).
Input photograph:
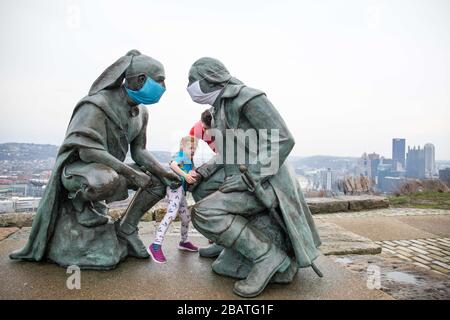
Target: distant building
point(392, 184)
point(19, 204)
point(363, 167)
point(384, 170)
point(398, 154)
point(415, 163)
point(388, 179)
point(430, 163)
point(444, 176)
point(374, 162)
point(327, 179)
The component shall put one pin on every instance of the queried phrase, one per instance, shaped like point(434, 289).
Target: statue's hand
point(171, 179)
point(234, 183)
point(198, 179)
point(141, 179)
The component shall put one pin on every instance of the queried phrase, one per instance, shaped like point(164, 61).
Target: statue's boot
point(255, 246)
point(90, 214)
point(231, 264)
point(128, 228)
point(287, 276)
point(211, 251)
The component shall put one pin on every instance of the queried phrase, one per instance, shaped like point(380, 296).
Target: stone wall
point(316, 205)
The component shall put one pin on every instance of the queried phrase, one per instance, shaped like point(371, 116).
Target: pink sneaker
point(188, 246)
point(156, 253)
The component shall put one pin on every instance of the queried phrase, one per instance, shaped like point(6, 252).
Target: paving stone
point(418, 250)
point(326, 206)
point(422, 265)
point(443, 265)
point(438, 253)
point(423, 249)
point(424, 257)
point(401, 242)
point(443, 243)
point(405, 249)
point(404, 253)
point(403, 257)
point(420, 260)
point(435, 257)
point(429, 242)
point(19, 220)
point(6, 232)
point(389, 247)
point(338, 241)
point(432, 247)
point(388, 250)
point(440, 269)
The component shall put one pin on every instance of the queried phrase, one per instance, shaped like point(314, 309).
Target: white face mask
point(199, 96)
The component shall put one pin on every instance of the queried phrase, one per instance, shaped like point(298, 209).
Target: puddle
point(344, 260)
point(401, 277)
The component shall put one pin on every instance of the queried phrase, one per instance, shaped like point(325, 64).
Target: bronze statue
point(259, 216)
point(71, 225)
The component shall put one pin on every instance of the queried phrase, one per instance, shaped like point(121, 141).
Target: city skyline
point(387, 156)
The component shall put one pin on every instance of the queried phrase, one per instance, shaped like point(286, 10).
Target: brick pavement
point(432, 253)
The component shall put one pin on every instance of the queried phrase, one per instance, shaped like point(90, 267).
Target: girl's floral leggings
point(177, 204)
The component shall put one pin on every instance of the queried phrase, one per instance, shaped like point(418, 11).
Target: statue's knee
point(198, 216)
point(158, 188)
point(210, 220)
point(194, 212)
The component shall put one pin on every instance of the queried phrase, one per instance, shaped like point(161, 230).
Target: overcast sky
point(347, 76)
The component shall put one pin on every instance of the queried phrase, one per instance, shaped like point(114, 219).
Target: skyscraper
point(398, 154)
point(374, 160)
point(430, 164)
point(415, 163)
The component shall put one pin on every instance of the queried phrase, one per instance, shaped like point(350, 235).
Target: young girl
point(181, 164)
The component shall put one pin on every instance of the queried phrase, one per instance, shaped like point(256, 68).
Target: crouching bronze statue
point(71, 226)
point(249, 201)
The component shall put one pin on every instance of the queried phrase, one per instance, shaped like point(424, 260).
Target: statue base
point(88, 248)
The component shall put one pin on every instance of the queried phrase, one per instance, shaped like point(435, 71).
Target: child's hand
point(190, 179)
point(194, 174)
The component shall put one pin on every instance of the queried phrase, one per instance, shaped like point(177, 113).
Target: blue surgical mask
point(150, 92)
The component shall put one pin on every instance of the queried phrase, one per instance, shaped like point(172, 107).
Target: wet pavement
point(399, 278)
point(415, 258)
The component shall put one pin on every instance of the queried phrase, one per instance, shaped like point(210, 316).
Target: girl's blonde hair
point(189, 141)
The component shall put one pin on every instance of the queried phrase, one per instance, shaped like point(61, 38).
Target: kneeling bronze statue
point(257, 216)
point(71, 226)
